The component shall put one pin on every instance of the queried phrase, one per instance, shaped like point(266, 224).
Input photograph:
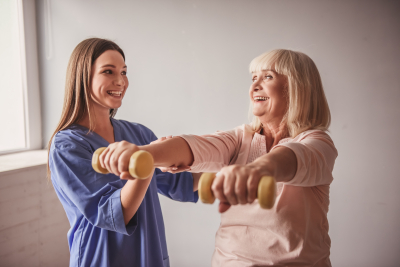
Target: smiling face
point(109, 81)
point(268, 96)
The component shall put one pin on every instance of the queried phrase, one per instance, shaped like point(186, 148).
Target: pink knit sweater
point(295, 231)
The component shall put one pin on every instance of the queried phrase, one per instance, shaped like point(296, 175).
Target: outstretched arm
point(172, 152)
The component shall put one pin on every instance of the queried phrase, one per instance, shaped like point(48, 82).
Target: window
point(19, 86)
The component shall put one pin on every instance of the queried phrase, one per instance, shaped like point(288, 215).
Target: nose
point(119, 80)
point(256, 86)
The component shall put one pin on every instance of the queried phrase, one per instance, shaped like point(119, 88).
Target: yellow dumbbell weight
point(265, 194)
point(140, 164)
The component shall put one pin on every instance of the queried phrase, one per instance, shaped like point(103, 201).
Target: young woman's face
point(267, 93)
point(109, 81)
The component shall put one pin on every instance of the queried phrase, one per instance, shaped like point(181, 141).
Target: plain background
point(188, 72)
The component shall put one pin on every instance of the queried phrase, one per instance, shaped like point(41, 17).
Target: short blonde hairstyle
point(307, 105)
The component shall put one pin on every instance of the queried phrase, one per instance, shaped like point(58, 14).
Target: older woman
point(286, 140)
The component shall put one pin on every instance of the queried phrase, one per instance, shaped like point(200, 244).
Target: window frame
point(29, 76)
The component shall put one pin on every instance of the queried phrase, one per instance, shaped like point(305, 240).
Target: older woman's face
point(267, 93)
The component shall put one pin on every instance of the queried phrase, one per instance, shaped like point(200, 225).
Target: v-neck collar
point(116, 128)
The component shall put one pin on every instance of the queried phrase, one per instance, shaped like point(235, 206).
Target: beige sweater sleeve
point(213, 151)
point(316, 155)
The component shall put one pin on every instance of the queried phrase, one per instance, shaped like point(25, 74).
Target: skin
point(235, 184)
point(108, 74)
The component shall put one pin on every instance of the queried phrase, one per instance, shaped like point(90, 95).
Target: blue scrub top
point(98, 235)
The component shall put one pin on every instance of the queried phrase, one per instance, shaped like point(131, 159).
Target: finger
point(115, 157)
point(241, 187)
point(164, 169)
point(217, 187)
point(101, 157)
point(107, 157)
point(223, 206)
point(181, 169)
point(167, 169)
point(169, 137)
point(252, 187)
point(229, 189)
point(123, 161)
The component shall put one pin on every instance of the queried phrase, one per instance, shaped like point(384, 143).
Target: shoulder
point(314, 134)
point(240, 130)
point(135, 129)
point(131, 125)
point(72, 138)
point(313, 138)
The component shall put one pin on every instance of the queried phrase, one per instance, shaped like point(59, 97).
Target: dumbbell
point(141, 166)
point(265, 193)
point(140, 163)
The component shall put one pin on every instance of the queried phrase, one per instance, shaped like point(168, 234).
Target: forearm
point(281, 163)
point(171, 152)
point(132, 195)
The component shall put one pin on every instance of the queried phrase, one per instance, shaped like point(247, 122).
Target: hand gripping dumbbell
point(140, 164)
point(265, 193)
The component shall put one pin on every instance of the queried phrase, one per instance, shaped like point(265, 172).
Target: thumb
point(223, 206)
point(126, 176)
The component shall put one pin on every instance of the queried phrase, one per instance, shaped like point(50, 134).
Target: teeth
point(116, 93)
point(260, 98)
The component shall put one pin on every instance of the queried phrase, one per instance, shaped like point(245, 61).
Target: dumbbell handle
point(266, 190)
point(140, 163)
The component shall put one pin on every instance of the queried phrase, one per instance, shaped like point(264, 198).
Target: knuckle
point(229, 191)
point(239, 190)
point(252, 187)
point(214, 187)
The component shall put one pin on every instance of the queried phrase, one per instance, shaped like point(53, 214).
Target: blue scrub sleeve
point(177, 186)
point(97, 196)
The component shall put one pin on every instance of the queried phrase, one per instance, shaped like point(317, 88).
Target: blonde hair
point(77, 97)
point(307, 105)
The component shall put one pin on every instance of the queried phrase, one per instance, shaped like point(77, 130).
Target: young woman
point(287, 140)
point(113, 222)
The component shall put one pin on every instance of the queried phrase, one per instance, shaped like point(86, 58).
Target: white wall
point(187, 66)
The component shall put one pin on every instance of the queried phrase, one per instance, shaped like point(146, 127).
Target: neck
point(102, 124)
point(273, 132)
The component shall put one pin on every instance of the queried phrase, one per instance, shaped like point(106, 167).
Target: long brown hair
point(77, 97)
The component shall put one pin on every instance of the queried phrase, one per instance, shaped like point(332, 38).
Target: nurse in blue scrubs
point(114, 222)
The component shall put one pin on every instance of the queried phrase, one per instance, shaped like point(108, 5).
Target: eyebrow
point(112, 66)
point(254, 72)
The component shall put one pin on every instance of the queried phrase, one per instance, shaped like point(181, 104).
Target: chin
point(258, 113)
point(115, 105)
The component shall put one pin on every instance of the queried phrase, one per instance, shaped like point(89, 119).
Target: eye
point(123, 73)
point(266, 77)
point(107, 72)
point(254, 79)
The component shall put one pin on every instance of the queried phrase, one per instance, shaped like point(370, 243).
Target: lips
point(260, 98)
point(114, 93)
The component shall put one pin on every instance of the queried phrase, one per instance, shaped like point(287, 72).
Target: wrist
point(263, 167)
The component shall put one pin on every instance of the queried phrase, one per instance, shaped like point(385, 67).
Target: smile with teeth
point(260, 98)
point(114, 93)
